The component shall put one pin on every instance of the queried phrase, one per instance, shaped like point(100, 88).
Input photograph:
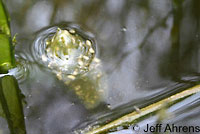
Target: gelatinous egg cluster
point(68, 53)
point(71, 56)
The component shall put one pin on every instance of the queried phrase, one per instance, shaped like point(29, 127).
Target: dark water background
point(149, 49)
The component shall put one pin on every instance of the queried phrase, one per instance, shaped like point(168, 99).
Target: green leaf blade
point(11, 103)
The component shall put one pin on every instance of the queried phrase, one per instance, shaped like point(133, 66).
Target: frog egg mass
point(68, 53)
point(71, 57)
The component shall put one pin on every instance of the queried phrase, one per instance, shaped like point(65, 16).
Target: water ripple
point(21, 71)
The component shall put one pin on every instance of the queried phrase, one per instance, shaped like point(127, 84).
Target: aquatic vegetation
point(11, 104)
point(10, 94)
point(6, 49)
point(136, 116)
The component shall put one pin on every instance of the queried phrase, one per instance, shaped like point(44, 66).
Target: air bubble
point(124, 29)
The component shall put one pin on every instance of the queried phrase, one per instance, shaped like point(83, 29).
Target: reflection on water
point(144, 46)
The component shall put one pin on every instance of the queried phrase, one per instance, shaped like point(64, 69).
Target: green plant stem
point(11, 103)
point(6, 48)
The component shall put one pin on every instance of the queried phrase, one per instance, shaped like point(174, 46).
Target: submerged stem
point(129, 118)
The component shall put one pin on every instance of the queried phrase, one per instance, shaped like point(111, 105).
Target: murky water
point(142, 59)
